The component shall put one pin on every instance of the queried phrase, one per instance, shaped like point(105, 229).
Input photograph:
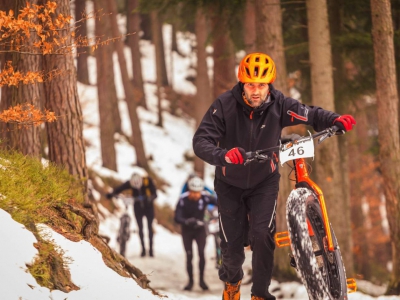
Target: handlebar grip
point(249, 154)
point(337, 130)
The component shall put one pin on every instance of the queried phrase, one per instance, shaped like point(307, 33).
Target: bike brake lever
point(249, 160)
point(250, 157)
point(323, 138)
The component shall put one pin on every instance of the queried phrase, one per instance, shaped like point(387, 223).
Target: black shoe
point(143, 253)
point(203, 285)
point(151, 253)
point(189, 286)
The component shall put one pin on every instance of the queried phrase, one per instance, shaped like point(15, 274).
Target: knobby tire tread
point(331, 284)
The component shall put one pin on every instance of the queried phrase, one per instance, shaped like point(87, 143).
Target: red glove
point(235, 156)
point(345, 122)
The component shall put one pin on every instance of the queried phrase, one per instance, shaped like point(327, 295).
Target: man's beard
point(251, 102)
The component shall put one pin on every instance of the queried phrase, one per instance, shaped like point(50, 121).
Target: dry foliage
point(26, 115)
point(37, 30)
point(10, 77)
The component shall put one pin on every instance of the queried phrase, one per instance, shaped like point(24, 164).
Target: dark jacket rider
point(144, 193)
point(189, 213)
point(251, 117)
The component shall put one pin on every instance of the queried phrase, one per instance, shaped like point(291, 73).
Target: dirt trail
point(167, 269)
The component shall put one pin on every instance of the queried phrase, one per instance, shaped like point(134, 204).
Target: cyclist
point(185, 186)
point(251, 116)
point(189, 213)
point(144, 193)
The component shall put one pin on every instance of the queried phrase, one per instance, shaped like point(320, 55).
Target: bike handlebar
point(260, 155)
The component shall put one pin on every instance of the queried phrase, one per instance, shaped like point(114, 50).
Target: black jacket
point(230, 123)
point(186, 208)
point(147, 192)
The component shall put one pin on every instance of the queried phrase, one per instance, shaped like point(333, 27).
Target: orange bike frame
point(302, 175)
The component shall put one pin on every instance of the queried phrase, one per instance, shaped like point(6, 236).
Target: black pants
point(239, 208)
point(199, 235)
point(144, 209)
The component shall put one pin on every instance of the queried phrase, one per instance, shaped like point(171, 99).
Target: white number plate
point(302, 148)
point(213, 226)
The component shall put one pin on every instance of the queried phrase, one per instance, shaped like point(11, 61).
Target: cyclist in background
point(211, 219)
point(189, 213)
point(144, 193)
point(185, 186)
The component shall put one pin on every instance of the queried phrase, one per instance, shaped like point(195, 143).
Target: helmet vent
point(264, 73)
point(248, 59)
point(247, 72)
point(266, 60)
point(256, 71)
point(257, 59)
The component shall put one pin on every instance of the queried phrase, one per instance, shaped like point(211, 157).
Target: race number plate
point(213, 226)
point(299, 149)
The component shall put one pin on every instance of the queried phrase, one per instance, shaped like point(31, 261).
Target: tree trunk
point(25, 139)
point(83, 53)
point(270, 40)
point(133, 26)
point(66, 146)
point(203, 96)
point(327, 154)
point(107, 60)
point(128, 87)
point(250, 27)
point(223, 55)
point(5, 133)
point(112, 90)
point(145, 25)
point(174, 42)
point(342, 107)
point(359, 144)
point(159, 53)
point(158, 41)
point(388, 124)
point(105, 79)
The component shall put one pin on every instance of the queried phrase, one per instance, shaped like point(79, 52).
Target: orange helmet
point(257, 68)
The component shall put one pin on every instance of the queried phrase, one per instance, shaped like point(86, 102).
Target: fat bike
point(315, 252)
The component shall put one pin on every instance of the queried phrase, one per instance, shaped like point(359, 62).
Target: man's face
point(256, 93)
point(194, 196)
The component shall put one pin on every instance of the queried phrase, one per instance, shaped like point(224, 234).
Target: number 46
point(299, 150)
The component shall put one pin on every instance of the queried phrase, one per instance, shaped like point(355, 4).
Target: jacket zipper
point(251, 137)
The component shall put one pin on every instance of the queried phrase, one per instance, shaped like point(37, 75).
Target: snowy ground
point(97, 282)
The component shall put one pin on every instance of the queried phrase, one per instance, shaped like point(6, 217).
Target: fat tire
point(329, 280)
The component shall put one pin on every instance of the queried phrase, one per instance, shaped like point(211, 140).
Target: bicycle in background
point(124, 231)
point(212, 221)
